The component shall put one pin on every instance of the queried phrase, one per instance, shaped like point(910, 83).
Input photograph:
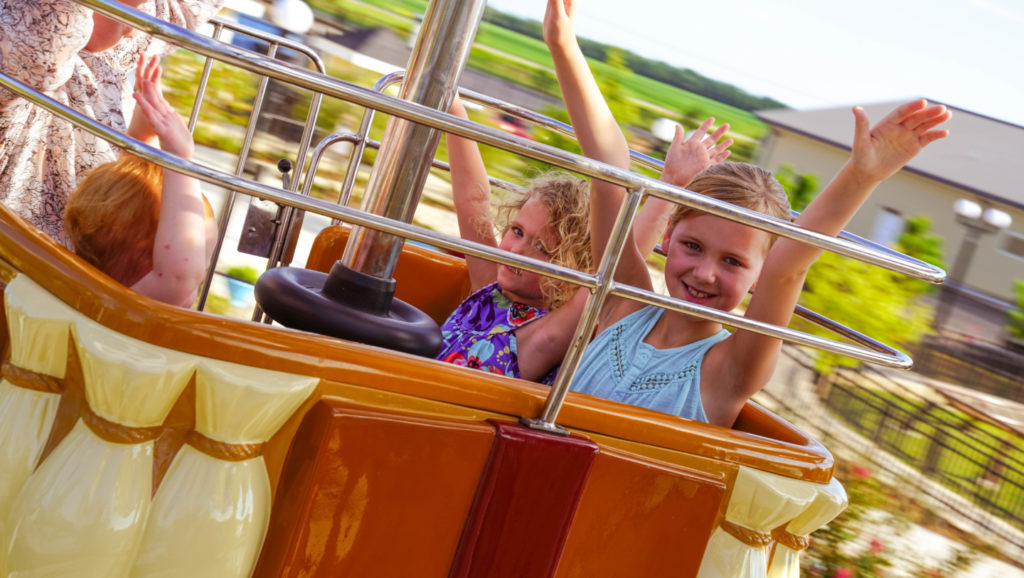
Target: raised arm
point(471, 193)
point(180, 247)
point(599, 135)
point(746, 360)
point(685, 158)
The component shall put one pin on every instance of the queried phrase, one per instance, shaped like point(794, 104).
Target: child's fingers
point(153, 69)
point(570, 9)
point(928, 119)
point(702, 130)
point(147, 109)
point(861, 126)
point(139, 68)
point(679, 137)
point(904, 111)
point(719, 132)
point(720, 148)
point(932, 136)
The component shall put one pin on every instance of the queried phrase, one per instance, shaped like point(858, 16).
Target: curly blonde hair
point(741, 184)
point(567, 200)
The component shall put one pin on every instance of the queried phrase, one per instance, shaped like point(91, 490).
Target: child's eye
point(691, 245)
point(539, 246)
point(517, 231)
point(732, 261)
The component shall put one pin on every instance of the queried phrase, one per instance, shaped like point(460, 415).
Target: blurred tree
point(868, 299)
point(1015, 324)
point(801, 189)
point(919, 242)
point(621, 106)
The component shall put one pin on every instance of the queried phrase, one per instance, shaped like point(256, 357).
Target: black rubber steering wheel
point(349, 305)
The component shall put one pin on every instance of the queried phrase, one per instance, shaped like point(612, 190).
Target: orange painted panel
point(448, 277)
point(760, 440)
point(373, 493)
point(641, 518)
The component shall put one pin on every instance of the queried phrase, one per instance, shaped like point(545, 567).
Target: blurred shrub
point(867, 298)
point(1015, 325)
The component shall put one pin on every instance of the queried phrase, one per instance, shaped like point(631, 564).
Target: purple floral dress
point(480, 333)
point(42, 157)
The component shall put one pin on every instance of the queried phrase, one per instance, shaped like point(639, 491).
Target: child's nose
point(705, 270)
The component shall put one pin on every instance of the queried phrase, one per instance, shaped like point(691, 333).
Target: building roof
point(981, 154)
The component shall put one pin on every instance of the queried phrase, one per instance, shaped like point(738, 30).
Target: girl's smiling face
point(713, 261)
point(530, 235)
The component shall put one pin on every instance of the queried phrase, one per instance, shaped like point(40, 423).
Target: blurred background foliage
point(867, 298)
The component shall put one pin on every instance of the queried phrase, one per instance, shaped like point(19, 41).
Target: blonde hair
point(741, 184)
point(567, 200)
point(112, 216)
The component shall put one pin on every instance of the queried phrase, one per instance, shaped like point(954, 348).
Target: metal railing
point(971, 464)
point(601, 284)
point(274, 42)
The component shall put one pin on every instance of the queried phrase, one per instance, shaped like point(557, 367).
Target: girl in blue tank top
point(682, 364)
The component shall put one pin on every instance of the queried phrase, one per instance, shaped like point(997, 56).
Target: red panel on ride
point(643, 517)
point(525, 504)
point(373, 493)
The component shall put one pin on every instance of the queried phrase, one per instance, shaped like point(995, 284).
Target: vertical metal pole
point(948, 296)
point(403, 162)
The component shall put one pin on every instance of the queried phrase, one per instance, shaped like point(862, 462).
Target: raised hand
point(168, 125)
point(880, 151)
point(688, 156)
point(560, 22)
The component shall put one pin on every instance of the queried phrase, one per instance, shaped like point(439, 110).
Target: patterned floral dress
point(480, 333)
point(42, 157)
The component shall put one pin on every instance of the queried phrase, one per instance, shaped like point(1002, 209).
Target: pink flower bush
point(861, 472)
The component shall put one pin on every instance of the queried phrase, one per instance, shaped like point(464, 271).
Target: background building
point(979, 161)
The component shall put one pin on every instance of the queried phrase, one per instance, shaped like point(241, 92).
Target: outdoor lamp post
point(978, 222)
point(294, 16)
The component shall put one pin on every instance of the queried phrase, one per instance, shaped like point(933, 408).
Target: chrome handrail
point(284, 228)
point(349, 215)
point(644, 160)
point(490, 136)
point(601, 284)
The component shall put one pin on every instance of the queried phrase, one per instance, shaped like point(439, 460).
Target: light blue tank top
point(619, 366)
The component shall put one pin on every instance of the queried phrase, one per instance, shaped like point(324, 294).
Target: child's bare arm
point(179, 249)
point(601, 139)
point(744, 363)
point(542, 344)
point(471, 193)
point(599, 135)
point(686, 157)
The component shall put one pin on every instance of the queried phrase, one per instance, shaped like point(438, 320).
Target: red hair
point(111, 217)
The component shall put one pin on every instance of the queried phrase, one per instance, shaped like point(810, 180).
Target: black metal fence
point(971, 464)
point(984, 366)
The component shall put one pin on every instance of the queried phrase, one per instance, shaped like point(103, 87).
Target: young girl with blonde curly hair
point(518, 323)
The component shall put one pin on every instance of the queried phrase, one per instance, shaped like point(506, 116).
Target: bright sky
point(818, 54)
